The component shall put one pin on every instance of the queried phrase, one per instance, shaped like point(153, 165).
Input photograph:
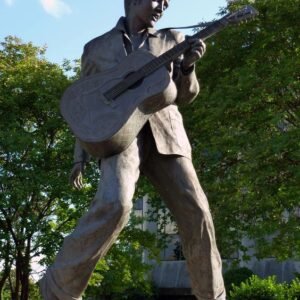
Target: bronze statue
point(161, 151)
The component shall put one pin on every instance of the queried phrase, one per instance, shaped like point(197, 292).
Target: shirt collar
point(121, 27)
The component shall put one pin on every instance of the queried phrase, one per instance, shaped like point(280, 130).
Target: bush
point(256, 288)
point(293, 292)
point(236, 276)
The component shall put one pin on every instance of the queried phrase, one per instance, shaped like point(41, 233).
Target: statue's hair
point(127, 4)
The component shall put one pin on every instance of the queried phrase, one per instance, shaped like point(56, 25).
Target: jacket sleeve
point(186, 81)
point(80, 155)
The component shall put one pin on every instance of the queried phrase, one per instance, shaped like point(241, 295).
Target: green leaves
point(256, 288)
point(244, 129)
point(35, 157)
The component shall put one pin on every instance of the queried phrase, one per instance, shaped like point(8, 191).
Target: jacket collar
point(122, 27)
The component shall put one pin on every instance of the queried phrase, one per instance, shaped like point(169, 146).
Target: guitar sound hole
point(135, 85)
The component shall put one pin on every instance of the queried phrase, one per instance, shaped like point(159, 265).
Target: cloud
point(9, 2)
point(55, 8)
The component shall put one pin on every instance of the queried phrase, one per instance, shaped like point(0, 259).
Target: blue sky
point(64, 26)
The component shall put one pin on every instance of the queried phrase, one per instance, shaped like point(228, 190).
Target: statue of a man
point(161, 151)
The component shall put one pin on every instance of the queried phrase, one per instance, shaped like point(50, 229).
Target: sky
point(64, 26)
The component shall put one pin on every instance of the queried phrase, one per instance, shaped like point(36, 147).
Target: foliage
point(244, 129)
point(34, 292)
point(236, 276)
point(293, 292)
point(123, 274)
point(259, 289)
point(37, 206)
point(266, 289)
point(157, 211)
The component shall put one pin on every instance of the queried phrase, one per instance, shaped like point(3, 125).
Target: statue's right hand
point(76, 176)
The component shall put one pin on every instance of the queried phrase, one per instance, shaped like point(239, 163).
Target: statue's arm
point(185, 77)
point(81, 157)
point(187, 83)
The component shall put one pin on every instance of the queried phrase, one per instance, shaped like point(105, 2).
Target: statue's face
point(148, 12)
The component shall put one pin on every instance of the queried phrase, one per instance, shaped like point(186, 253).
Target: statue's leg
point(177, 182)
point(97, 229)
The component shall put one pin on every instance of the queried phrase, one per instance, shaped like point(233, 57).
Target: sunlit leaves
point(245, 132)
point(35, 157)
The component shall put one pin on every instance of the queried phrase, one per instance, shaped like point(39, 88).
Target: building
point(171, 276)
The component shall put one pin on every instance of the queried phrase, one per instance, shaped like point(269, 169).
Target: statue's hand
point(76, 175)
point(196, 51)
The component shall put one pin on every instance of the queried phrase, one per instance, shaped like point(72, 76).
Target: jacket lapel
point(155, 45)
point(119, 52)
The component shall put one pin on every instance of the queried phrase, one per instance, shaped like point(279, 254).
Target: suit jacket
point(108, 50)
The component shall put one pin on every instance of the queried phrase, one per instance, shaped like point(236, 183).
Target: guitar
point(106, 111)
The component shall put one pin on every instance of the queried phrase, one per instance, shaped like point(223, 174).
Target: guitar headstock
point(243, 14)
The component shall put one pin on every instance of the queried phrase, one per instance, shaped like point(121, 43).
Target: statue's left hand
point(196, 51)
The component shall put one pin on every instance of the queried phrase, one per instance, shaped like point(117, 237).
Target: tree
point(35, 205)
point(245, 133)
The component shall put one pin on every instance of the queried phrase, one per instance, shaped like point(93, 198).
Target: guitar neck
point(163, 59)
point(182, 47)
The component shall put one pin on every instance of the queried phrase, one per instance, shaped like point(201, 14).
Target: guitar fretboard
point(176, 51)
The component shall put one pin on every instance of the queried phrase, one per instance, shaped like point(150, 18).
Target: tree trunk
point(25, 272)
point(25, 286)
point(18, 274)
point(12, 290)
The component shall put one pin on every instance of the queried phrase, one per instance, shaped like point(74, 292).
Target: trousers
point(176, 180)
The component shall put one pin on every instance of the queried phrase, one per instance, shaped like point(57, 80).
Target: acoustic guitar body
point(106, 115)
point(108, 126)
